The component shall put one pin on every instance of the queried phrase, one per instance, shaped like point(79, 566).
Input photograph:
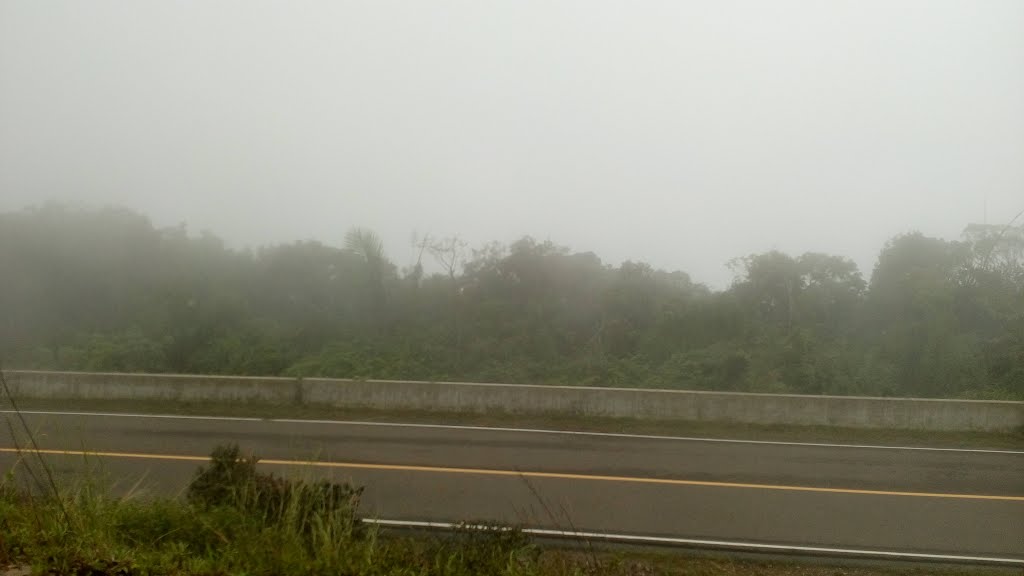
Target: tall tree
point(368, 246)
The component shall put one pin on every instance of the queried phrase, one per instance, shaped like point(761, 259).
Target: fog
point(678, 133)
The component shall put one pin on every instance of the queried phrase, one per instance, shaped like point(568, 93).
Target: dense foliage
point(105, 290)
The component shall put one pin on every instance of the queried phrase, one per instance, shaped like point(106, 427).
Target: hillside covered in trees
point(104, 290)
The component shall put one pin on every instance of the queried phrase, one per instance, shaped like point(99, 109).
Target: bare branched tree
point(449, 253)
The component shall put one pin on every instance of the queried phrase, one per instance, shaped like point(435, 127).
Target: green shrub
point(232, 481)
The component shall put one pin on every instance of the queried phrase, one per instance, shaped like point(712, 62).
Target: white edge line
point(517, 430)
point(643, 436)
point(709, 543)
point(132, 415)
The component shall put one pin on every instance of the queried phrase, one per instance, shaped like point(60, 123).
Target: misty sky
point(678, 133)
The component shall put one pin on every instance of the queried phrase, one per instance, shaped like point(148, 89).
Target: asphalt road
point(942, 502)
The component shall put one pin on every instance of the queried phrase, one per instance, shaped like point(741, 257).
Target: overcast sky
point(678, 133)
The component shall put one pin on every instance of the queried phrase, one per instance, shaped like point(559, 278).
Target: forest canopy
point(105, 290)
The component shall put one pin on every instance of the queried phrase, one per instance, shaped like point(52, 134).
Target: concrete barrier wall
point(856, 412)
point(175, 387)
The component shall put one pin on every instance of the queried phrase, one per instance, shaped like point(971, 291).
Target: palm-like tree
point(367, 245)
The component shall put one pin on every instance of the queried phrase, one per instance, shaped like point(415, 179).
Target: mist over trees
point(104, 290)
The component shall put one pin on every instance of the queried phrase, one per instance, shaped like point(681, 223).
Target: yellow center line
point(528, 474)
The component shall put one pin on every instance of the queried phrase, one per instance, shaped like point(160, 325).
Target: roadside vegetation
point(237, 520)
point(104, 290)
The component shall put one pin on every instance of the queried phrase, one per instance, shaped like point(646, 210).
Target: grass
point(825, 434)
point(235, 520)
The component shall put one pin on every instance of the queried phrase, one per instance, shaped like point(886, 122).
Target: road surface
point(942, 502)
